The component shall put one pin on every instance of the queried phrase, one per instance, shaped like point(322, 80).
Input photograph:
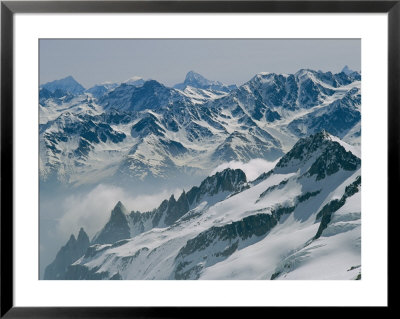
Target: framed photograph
point(160, 155)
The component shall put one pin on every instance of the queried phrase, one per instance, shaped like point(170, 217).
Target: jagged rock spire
point(117, 227)
point(69, 253)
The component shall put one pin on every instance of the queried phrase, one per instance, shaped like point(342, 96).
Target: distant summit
point(346, 70)
point(135, 81)
point(192, 129)
point(68, 85)
point(198, 81)
point(100, 90)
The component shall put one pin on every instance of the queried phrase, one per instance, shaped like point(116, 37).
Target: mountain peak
point(198, 81)
point(119, 208)
point(192, 73)
point(67, 254)
point(195, 79)
point(116, 228)
point(71, 240)
point(265, 74)
point(304, 148)
point(82, 236)
point(227, 180)
point(68, 78)
point(304, 73)
point(152, 83)
point(135, 80)
point(67, 84)
point(172, 198)
point(346, 70)
point(320, 153)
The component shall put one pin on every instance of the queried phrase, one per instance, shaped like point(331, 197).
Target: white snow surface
point(134, 153)
point(287, 251)
point(152, 254)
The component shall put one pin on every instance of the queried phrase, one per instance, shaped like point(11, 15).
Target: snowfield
point(193, 128)
point(267, 230)
point(279, 165)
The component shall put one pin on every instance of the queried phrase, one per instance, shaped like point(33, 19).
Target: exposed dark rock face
point(337, 118)
point(327, 211)
point(319, 155)
point(332, 160)
point(154, 110)
point(229, 181)
point(306, 196)
point(189, 267)
point(146, 126)
point(79, 272)
point(117, 228)
point(151, 95)
point(89, 131)
point(68, 254)
point(226, 181)
point(176, 209)
point(304, 149)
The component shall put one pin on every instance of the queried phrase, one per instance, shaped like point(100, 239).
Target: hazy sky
point(230, 61)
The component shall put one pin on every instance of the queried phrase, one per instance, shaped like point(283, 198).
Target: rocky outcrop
point(117, 227)
point(68, 254)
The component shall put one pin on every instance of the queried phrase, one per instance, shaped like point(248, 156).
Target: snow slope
point(159, 133)
point(300, 220)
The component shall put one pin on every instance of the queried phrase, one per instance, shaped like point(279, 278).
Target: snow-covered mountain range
point(301, 220)
point(144, 130)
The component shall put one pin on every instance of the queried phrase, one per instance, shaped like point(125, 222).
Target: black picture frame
point(9, 8)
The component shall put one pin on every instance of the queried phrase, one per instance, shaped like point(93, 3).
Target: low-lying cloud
point(63, 216)
point(92, 210)
point(252, 168)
